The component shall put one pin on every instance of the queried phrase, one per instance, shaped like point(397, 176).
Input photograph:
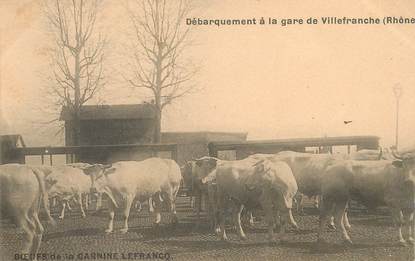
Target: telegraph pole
point(397, 91)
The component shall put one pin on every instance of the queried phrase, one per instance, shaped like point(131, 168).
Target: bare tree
point(160, 42)
point(77, 56)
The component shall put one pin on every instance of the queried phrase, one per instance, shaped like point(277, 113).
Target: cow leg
point(68, 205)
point(191, 202)
point(346, 220)
point(62, 215)
point(197, 202)
point(126, 213)
point(317, 201)
point(325, 210)
point(267, 207)
point(98, 202)
point(171, 202)
point(23, 221)
point(300, 207)
point(277, 220)
point(157, 209)
point(292, 220)
point(221, 203)
point(339, 213)
point(237, 217)
point(150, 205)
point(111, 214)
point(211, 195)
point(399, 220)
point(198, 206)
point(138, 206)
point(412, 226)
point(331, 224)
point(247, 218)
point(250, 218)
point(86, 197)
point(79, 199)
point(38, 232)
point(283, 219)
point(408, 223)
point(53, 202)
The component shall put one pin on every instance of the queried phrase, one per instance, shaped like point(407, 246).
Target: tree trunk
point(77, 102)
point(76, 128)
point(157, 127)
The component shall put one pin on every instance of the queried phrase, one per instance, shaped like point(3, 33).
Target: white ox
point(372, 183)
point(22, 191)
point(364, 154)
point(126, 180)
point(192, 181)
point(251, 182)
point(308, 170)
point(68, 182)
point(193, 173)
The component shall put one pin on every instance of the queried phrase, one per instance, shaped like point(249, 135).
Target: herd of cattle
point(271, 182)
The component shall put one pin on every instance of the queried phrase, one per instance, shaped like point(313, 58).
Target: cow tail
point(44, 194)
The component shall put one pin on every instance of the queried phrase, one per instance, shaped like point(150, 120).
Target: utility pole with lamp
point(397, 91)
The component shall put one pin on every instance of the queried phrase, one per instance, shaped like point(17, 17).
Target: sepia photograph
point(207, 130)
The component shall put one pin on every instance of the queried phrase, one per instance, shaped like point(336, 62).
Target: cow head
point(50, 182)
point(96, 172)
point(406, 163)
point(204, 166)
point(259, 175)
point(187, 173)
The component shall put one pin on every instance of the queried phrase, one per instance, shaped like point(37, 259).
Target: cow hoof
point(156, 224)
point(243, 237)
point(224, 238)
point(108, 231)
point(295, 227)
point(217, 231)
point(83, 216)
point(174, 220)
point(411, 240)
point(123, 230)
point(331, 226)
point(60, 217)
point(348, 242)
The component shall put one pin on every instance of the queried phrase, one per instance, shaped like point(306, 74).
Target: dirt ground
point(374, 237)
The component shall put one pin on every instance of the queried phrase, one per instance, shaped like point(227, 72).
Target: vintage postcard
point(210, 130)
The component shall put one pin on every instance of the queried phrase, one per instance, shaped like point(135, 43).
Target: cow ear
point(213, 162)
point(51, 182)
point(94, 169)
point(110, 171)
point(198, 163)
point(259, 166)
point(90, 169)
point(397, 163)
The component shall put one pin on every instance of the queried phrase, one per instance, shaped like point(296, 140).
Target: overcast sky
point(270, 81)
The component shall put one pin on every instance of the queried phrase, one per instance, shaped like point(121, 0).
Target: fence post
point(9, 153)
point(174, 153)
point(212, 150)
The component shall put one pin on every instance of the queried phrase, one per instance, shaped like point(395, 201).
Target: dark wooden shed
point(191, 145)
point(111, 124)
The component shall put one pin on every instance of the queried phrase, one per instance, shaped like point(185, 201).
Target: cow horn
point(259, 162)
point(107, 166)
point(395, 154)
point(380, 153)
